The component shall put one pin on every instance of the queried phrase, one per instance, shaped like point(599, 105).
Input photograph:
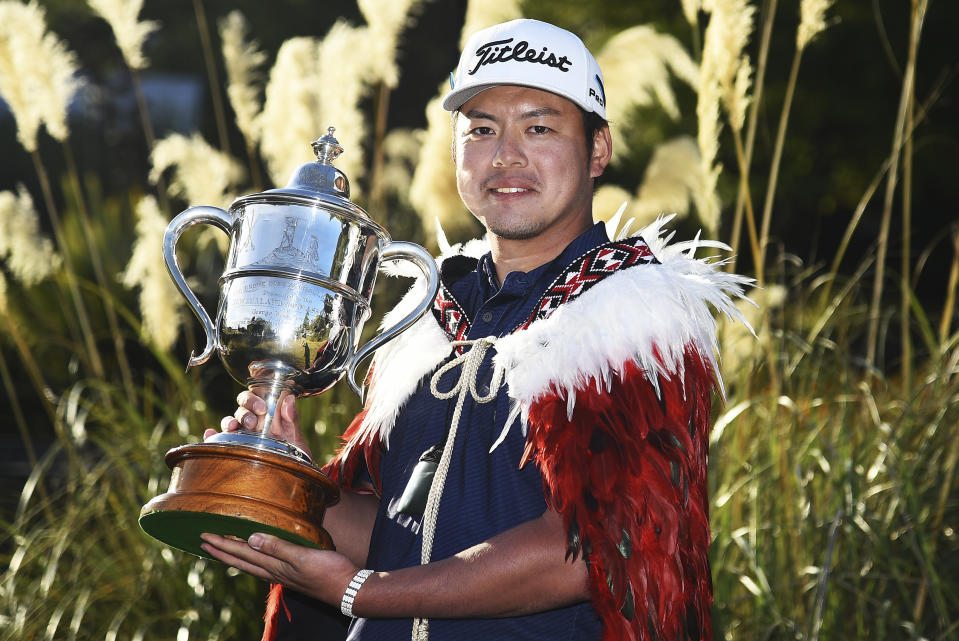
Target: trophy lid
point(317, 181)
point(319, 176)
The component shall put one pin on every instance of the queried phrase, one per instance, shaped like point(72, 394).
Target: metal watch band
point(346, 605)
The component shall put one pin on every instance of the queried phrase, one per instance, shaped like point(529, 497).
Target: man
point(531, 461)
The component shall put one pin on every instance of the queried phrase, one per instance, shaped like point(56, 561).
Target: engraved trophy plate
point(296, 289)
point(294, 298)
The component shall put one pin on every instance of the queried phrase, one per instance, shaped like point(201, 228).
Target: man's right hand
point(250, 413)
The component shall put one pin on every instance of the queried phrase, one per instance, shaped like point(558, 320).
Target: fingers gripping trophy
point(293, 301)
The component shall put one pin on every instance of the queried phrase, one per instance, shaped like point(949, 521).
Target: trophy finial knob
point(327, 148)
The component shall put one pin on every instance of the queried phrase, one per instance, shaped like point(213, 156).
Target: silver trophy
point(293, 301)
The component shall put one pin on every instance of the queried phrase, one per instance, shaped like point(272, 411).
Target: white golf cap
point(532, 54)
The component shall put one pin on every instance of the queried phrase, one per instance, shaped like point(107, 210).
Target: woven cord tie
point(469, 363)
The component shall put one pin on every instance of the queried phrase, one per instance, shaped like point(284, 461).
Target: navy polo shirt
point(485, 493)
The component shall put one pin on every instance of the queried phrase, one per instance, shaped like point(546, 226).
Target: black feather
point(676, 442)
point(590, 500)
point(625, 545)
point(573, 540)
point(598, 441)
point(629, 606)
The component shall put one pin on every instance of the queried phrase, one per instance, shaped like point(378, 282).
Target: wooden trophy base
point(236, 490)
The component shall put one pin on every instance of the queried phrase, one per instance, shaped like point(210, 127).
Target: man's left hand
point(322, 574)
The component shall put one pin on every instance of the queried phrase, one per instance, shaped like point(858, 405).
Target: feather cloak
point(612, 389)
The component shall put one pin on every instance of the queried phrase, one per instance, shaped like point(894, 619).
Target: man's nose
point(509, 151)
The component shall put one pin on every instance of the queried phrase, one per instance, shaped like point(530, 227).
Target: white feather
point(613, 223)
point(441, 241)
point(570, 404)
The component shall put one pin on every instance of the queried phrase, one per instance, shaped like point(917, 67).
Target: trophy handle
point(186, 219)
point(399, 250)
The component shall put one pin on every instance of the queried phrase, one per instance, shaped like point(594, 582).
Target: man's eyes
point(539, 130)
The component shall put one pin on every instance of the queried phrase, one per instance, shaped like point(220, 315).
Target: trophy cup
point(293, 301)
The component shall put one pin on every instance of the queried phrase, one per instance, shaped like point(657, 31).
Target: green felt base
point(182, 530)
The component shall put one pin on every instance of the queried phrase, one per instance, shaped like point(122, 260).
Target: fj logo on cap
point(503, 51)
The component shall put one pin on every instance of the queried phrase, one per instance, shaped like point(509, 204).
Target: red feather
point(628, 474)
point(273, 602)
point(344, 465)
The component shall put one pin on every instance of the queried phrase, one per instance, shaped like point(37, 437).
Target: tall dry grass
point(834, 506)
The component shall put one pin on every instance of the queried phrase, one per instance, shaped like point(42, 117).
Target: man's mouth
point(509, 190)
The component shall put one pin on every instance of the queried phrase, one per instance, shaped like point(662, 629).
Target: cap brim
point(459, 97)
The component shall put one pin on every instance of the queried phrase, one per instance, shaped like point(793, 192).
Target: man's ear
point(602, 152)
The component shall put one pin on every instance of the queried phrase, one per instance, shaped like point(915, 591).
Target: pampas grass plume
point(636, 66)
point(345, 79)
point(386, 20)
point(691, 11)
point(202, 175)
point(313, 85)
point(606, 203)
point(724, 79)
point(724, 61)
point(401, 149)
point(433, 191)
point(160, 302)
point(812, 20)
point(707, 141)
point(674, 179)
point(290, 116)
point(30, 256)
point(14, 87)
point(37, 73)
point(54, 72)
point(485, 13)
point(243, 60)
point(130, 33)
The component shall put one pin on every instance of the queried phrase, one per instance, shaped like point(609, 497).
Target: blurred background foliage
point(835, 510)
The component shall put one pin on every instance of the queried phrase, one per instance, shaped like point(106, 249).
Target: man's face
point(521, 162)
